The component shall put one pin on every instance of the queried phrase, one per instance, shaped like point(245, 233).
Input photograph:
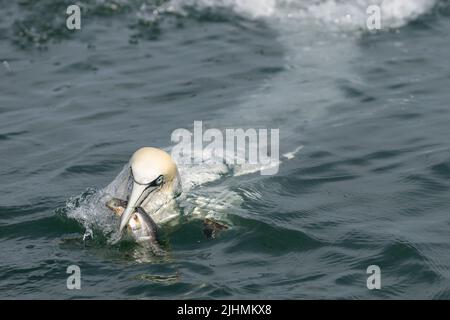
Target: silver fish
point(141, 226)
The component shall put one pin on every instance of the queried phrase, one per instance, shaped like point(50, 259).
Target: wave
point(394, 13)
point(36, 24)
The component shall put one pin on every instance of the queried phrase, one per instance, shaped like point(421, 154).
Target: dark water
point(370, 185)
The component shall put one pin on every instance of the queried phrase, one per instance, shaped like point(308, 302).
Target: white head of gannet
point(155, 179)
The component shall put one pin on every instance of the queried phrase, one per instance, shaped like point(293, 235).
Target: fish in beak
point(141, 225)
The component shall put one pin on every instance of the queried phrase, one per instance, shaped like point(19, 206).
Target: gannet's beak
point(138, 193)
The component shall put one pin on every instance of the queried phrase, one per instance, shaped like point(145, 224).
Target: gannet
point(156, 184)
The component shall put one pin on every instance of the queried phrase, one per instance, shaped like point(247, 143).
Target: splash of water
point(90, 210)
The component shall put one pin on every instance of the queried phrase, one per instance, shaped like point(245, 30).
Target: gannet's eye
point(159, 180)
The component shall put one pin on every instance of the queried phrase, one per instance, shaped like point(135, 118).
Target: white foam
point(250, 8)
point(394, 13)
point(291, 155)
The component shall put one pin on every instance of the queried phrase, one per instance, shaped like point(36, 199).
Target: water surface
point(370, 185)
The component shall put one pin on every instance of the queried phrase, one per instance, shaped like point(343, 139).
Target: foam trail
point(320, 40)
